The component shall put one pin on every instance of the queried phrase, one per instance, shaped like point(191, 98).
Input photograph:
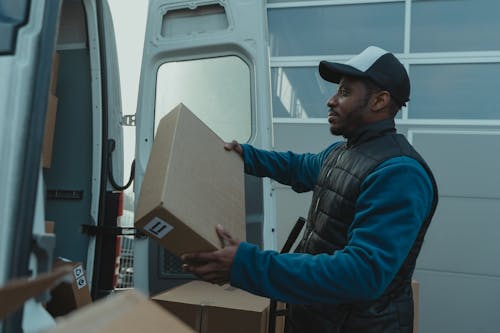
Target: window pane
point(455, 25)
point(340, 29)
point(299, 92)
point(217, 90)
point(455, 91)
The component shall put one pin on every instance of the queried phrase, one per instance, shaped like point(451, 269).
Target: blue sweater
point(394, 201)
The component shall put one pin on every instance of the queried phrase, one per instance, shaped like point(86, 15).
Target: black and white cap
point(377, 64)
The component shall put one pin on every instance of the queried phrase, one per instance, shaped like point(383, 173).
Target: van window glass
point(217, 90)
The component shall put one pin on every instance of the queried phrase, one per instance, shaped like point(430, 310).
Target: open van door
point(212, 56)
point(27, 44)
point(75, 186)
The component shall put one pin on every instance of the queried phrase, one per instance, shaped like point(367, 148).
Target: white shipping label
point(158, 227)
point(78, 271)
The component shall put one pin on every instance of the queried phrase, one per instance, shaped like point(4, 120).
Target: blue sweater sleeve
point(395, 199)
point(300, 171)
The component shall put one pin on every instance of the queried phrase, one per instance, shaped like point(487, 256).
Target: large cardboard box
point(211, 308)
point(127, 312)
point(67, 297)
point(191, 184)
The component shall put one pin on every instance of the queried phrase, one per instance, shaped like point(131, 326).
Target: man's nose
point(332, 101)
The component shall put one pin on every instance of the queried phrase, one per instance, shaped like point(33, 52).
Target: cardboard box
point(49, 227)
point(280, 320)
point(50, 126)
point(415, 288)
point(55, 73)
point(69, 296)
point(16, 292)
point(127, 312)
point(191, 184)
point(211, 308)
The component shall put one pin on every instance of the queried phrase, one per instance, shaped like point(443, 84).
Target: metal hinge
point(128, 120)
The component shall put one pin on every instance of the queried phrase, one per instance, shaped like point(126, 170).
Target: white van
point(212, 57)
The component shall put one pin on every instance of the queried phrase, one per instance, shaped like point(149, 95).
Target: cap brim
point(333, 71)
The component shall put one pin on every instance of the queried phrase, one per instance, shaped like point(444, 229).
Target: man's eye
point(343, 92)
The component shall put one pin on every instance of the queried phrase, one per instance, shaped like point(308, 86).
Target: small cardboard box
point(211, 308)
point(127, 312)
point(69, 296)
point(48, 137)
point(191, 184)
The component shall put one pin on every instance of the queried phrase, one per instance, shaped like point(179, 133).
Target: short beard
point(355, 115)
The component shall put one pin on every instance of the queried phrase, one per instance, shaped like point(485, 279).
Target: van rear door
point(28, 30)
point(211, 56)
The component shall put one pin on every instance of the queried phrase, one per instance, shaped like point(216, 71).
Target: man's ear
point(381, 101)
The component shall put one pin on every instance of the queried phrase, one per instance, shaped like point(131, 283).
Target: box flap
point(126, 312)
point(15, 293)
point(207, 294)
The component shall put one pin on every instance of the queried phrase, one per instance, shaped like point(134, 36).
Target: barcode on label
point(81, 282)
point(158, 227)
point(78, 271)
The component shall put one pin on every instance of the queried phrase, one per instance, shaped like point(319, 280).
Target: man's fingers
point(234, 145)
point(228, 146)
point(224, 236)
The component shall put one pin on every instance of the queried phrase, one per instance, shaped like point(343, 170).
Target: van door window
point(217, 90)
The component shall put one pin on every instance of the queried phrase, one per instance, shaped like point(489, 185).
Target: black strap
point(292, 237)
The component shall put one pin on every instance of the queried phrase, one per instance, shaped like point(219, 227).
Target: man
point(373, 199)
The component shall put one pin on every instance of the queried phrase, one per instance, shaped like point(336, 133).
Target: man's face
point(349, 107)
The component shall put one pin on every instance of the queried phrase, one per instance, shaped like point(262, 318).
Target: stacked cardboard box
point(68, 297)
point(190, 185)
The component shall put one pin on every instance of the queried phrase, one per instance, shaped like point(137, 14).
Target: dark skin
point(351, 107)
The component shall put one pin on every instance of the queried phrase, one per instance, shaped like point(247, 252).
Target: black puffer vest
point(330, 216)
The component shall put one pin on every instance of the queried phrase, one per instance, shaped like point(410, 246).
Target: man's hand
point(234, 145)
point(213, 266)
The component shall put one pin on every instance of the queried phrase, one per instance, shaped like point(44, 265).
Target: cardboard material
point(191, 184)
point(415, 288)
point(127, 312)
point(48, 138)
point(15, 293)
point(280, 320)
point(211, 308)
point(70, 296)
point(55, 73)
point(49, 227)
